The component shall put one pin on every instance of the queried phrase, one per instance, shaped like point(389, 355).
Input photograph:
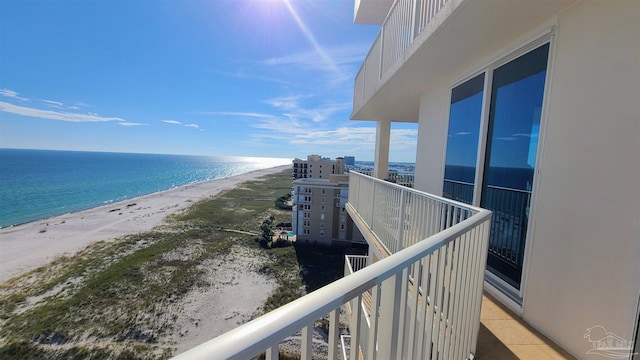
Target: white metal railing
point(405, 21)
point(404, 179)
point(354, 263)
point(439, 321)
point(400, 216)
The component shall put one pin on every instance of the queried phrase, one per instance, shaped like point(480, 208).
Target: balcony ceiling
point(371, 12)
point(473, 31)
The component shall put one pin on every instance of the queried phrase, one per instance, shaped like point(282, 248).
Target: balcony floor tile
point(504, 336)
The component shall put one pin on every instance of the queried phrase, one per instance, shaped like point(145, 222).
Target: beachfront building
point(350, 160)
point(318, 214)
point(528, 109)
point(317, 167)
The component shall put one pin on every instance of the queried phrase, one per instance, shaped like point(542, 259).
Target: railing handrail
point(473, 209)
point(257, 335)
point(369, 52)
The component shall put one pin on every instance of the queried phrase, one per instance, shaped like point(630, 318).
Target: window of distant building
point(321, 216)
point(321, 232)
point(322, 208)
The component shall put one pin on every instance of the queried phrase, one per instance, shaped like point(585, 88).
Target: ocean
point(38, 184)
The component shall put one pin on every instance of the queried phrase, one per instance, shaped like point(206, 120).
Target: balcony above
point(371, 11)
point(424, 44)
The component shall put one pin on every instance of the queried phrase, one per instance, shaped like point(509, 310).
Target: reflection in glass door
point(462, 140)
point(512, 142)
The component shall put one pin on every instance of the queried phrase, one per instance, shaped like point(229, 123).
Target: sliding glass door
point(510, 158)
point(512, 125)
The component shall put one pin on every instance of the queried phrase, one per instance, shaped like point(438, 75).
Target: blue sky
point(218, 77)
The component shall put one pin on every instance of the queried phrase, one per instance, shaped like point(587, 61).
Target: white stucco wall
point(584, 267)
point(432, 137)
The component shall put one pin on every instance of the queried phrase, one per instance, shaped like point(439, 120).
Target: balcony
point(425, 297)
point(423, 44)
point(405, 21)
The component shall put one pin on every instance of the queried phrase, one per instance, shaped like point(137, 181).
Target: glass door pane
point(512, 142)
point(462, 140)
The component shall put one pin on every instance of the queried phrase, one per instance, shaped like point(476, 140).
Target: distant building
point(350, 160)
point(317, 167)
point(319, 214)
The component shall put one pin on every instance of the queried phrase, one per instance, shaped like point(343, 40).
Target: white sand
point(25, 247)
point(236, 291)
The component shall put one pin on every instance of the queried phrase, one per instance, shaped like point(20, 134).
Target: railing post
point(381, 52)
point(272, 353)
point(414, 16)
point(399, 241)
point(372, 341)
point(334, 328)
point(306, 339)
point(355, 328)
point(373, 203)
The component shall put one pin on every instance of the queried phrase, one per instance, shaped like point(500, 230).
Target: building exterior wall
point(432, 136)
point(583, 249)
point(318, 216)
point(586, 231)
point(317, 167)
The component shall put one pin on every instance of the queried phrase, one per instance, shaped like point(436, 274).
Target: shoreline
point(27, 246)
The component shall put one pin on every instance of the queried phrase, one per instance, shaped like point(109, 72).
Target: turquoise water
point(37, 184)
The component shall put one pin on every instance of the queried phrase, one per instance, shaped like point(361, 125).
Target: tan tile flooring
point(503, 335)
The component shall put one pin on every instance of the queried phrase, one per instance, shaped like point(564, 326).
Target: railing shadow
point(490, 347)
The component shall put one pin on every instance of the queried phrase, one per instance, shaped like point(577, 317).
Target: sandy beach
point(25, 247)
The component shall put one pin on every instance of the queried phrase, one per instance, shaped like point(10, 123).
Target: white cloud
point(193, 126)
point(286, 102)
point(12, 94)
point(335, 56)
point(295, 111)
point(56, 104)
point(339, 61)
point(507, 138)
point(175, 122)
point(463, 133)
point(54, 115)
point(525, 135)
point(131, 124)
point(240, 74)
point(239, 114)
